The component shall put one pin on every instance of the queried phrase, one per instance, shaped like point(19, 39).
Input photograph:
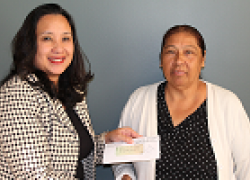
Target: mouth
point(57, 60)
point(179, 72)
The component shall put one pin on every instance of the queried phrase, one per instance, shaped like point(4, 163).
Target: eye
point(66, 39)
point(46, 38)
point(188, 52)
point(170, 51)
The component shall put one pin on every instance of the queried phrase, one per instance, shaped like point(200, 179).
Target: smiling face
point(55, 47)
point(182, 60)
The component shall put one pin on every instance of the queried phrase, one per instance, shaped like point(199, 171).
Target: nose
point(57, 47)
point(179, 58)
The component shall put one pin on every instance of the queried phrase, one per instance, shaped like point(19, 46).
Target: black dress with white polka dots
point(186, 151)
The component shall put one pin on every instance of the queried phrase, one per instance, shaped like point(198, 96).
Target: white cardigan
point(228, 125)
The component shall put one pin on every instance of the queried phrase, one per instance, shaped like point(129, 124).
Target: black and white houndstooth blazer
point(38, 140)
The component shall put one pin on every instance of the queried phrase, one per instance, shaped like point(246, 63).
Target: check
point(143, 149)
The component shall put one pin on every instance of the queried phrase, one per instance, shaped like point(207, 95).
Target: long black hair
point(72, 84)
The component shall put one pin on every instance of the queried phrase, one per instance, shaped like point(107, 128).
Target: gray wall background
point(122, 40)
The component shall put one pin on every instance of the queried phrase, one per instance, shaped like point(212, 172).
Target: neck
point(188, 93)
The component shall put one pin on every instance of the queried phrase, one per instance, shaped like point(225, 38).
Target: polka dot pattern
point(186, 151)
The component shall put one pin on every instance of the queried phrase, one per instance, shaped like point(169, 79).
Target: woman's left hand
point(125, 134)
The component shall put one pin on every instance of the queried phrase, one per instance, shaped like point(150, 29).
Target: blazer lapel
point(83, 113)
point(64, 119)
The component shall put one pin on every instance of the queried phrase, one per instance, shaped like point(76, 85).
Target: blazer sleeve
point(100, 145)
point(23, 141)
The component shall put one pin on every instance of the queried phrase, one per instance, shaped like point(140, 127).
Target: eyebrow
point(165, 47)
point(192, 46)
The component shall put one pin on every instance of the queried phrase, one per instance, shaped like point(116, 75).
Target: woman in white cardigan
point(215, 143)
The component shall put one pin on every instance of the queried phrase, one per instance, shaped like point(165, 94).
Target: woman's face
point(182, 60)
point(55, 46)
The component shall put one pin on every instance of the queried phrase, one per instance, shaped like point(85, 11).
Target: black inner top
point(186, 150)
point(86, 142)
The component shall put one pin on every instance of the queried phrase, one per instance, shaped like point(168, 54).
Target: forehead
point(184, 38)
point(54, 23)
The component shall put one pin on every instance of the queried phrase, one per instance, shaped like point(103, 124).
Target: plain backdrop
point(122, 41)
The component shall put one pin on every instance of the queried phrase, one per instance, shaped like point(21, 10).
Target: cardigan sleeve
point(125, 120)
point(140, 114)
point(124, 168)
point(240, 141)
point(230, 133)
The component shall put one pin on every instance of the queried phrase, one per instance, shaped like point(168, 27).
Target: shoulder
point(147, 89)
point(216, 89)
point(222, 95)
point(18, 90)
point(15, 83)
point(144, 94)
point(13, 86)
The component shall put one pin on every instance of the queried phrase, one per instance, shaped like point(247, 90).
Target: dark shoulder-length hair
point(73, 81)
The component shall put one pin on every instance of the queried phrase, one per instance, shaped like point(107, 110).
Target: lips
point(178, 72)
point(57, 60)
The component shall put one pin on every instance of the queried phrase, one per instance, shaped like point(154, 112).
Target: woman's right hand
point(126, 177)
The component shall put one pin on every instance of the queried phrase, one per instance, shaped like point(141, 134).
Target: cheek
point(42, 50)
point(37, 62)
point(71, 49)
point(166, 68)
point(166, 64)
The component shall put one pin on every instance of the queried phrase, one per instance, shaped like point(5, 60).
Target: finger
point(131, 133)
point(125, 138)
point(135, 134)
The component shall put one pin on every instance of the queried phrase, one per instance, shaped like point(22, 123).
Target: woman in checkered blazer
point(45, 129)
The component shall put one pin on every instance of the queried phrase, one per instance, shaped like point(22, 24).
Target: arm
point(23, 142)
point(124, 134)
point(100, 145)
point(25, 134)
point(125, 169)
point(240, 144)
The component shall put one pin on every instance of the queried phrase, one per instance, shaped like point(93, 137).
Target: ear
point(160, 58)
point(203, 60)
